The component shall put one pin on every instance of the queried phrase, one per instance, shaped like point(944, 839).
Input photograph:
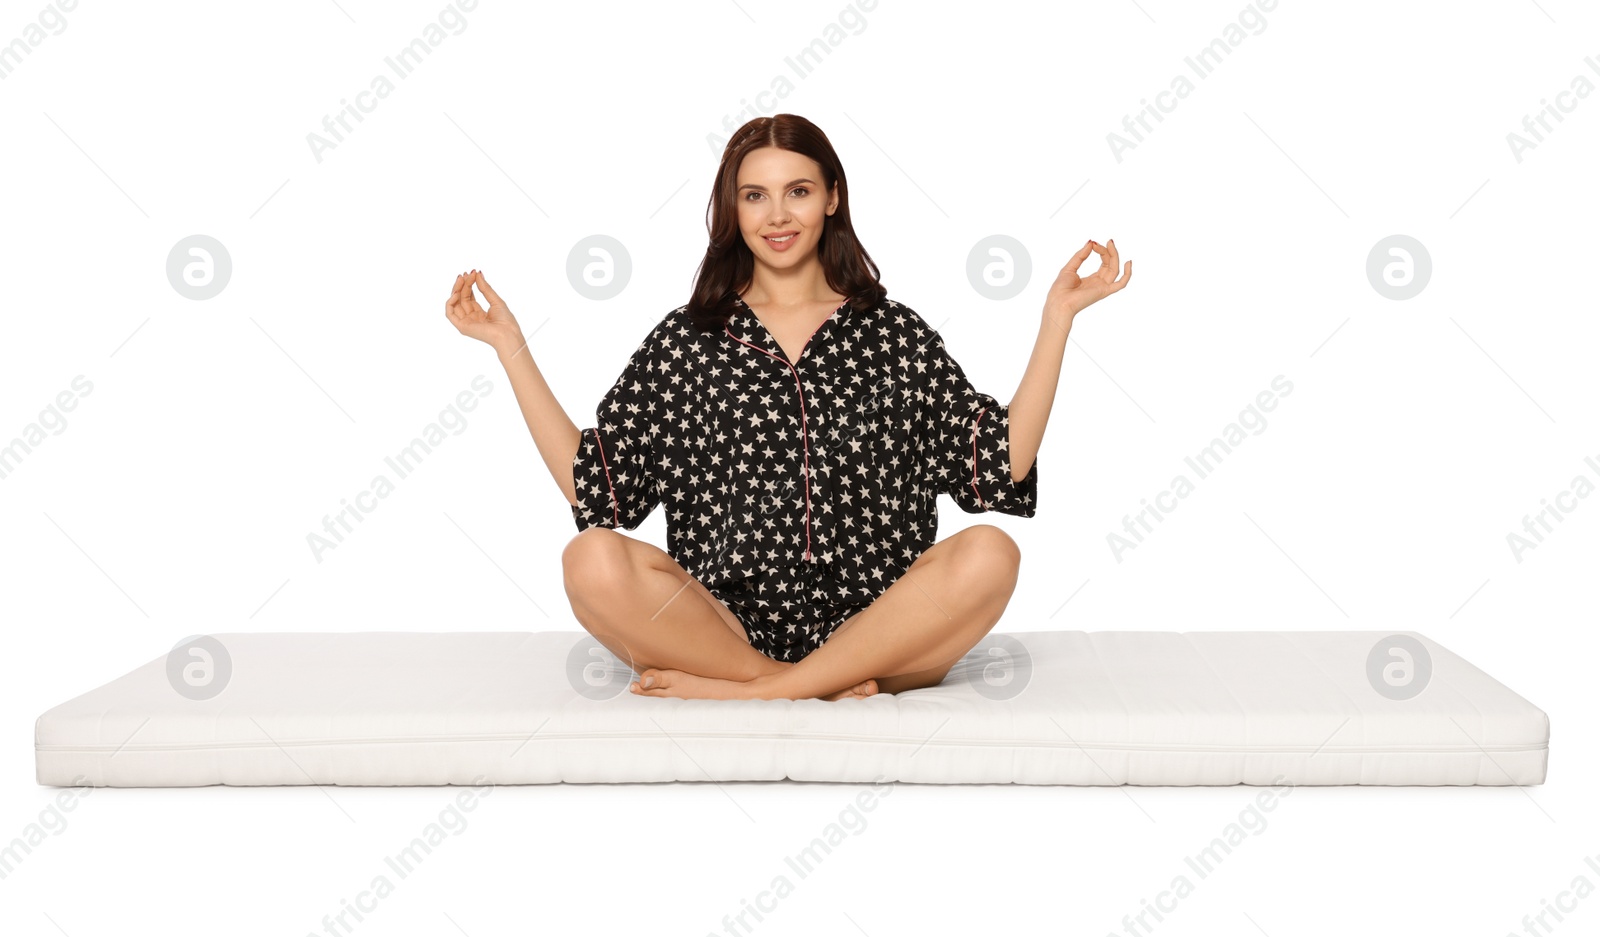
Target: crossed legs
point(636, 600)
point(642, 606)
point(646, 609)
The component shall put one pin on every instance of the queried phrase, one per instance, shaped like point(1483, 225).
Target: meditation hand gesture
point(496, 326)
point(1071, 294)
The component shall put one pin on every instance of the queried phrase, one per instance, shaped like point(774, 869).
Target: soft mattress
point(1054, 707)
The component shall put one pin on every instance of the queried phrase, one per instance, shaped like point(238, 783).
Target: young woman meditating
point(796, 425)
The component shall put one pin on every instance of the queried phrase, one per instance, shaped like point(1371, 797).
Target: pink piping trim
point(616, 518)
point(805, 438)
point(975, 490)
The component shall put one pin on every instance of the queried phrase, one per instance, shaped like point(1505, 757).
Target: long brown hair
point(728, 264)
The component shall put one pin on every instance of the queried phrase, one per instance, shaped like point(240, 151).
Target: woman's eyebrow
point(792, 184)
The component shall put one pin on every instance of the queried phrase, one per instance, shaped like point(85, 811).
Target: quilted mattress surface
point(1053, 707)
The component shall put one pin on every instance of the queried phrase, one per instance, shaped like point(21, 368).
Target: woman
point(797, 426)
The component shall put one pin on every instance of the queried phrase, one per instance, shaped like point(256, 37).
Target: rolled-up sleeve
point(967, 452)
point(612, 474)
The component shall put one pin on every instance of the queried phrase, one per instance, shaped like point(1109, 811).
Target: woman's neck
point(789, 289)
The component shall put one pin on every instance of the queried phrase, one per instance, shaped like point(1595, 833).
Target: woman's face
point(780, 193)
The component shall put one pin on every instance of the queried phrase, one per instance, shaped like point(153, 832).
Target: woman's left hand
point(1070, 294)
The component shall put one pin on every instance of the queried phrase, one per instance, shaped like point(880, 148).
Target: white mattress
point(1097, 708)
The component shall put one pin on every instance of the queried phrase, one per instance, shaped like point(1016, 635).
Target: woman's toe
point(654, 682)
point(862, 690)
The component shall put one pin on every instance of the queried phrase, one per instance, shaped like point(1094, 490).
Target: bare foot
point(862, 690)
point(680, 684)
point(683, 685)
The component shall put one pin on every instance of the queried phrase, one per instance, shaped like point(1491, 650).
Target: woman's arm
point(1069, 295)
point(1030, 406)
point(554, 434)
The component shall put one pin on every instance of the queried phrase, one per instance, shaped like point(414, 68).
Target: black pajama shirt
point(796, 492)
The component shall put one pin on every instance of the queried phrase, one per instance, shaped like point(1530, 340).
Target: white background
point(218, 433)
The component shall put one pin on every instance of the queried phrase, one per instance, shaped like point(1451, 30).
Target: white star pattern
point(796, 492)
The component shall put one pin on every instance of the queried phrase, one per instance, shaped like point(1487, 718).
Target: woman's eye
point(799, 188)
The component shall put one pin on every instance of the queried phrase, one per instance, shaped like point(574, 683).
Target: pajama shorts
point(787, 613)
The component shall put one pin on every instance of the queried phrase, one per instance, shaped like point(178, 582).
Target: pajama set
point(797, 492)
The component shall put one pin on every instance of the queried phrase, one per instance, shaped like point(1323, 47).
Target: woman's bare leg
point(910, 637)
point(642, 606)
point(646, 609)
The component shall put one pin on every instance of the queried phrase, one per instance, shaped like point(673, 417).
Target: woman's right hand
point(496, 326)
